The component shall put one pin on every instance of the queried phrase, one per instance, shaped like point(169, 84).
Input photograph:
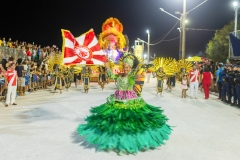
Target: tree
point(218, 47)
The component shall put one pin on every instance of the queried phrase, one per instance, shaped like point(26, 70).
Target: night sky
point(41, 21)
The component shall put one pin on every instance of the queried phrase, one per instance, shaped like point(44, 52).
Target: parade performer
point(125, 123)
point(172, 76)
point(67, 78)
point(102, 77)
point(183, 68)
point(161, 75)
point(86, 73)
point(169, 84)
point(164, 67)
point(139, 82)
point(56, 70)
point(59, 82)
point(77, 79)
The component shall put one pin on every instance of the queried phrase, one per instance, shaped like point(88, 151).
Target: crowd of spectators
point(23, 49)
point(30, 62)
point(225, 82)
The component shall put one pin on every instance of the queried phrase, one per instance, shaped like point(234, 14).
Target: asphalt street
point(43, 126)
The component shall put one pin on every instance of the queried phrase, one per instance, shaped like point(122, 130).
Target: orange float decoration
point(112, 40)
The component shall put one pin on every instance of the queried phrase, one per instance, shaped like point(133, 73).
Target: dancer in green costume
point(125, 123)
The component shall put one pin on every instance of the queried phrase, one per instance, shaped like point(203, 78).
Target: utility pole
point(180, 39)
point(236, 6)
point(184, 30)
point(182, 47)
point(148, 44)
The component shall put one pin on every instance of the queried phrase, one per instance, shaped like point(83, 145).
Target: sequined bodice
point(123, 84)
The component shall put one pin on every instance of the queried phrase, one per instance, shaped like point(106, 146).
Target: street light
point(236, 6)
point(180, 39)
point(180, 29)
point(145, 56)
point(132, 49)
point(148, 45)
point(182, 25)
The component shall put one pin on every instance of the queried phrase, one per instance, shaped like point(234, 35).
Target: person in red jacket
point(206, 81)
point(29, 54)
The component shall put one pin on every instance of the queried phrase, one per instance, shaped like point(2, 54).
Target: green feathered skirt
point(126, 126)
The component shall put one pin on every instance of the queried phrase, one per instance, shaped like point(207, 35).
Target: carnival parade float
point(93, 51)
point(111, 40)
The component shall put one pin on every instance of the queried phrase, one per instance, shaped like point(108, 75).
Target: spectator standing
point(11, 79)
point(206, 81)
point(4, 63)
point(219, 80)
point(4, 43)
point(34, 52)
point(2, 80)
point(9, 43)
point(44, 76)
point(193, 82)
point(38, 54)
point(184, 86)
point(237, 85)
point(16, 44)
point(225, 79)
point(33, 70)
point(29, 54)
point(21, 77)
point(22, 52)
point(27, 75)
point(201, 68)
point(231, 88)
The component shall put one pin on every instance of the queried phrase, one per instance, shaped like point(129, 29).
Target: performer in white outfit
point(194, 80)
point(11, 79)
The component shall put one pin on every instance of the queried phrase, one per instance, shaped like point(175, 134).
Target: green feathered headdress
point(129, 59)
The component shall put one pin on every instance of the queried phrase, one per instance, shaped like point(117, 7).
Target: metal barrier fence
point(6, 52)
